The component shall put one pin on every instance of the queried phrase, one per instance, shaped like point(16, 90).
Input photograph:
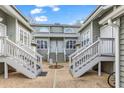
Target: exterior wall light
point(110, 22)
point(1, 19)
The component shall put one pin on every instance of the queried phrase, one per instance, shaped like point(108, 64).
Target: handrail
point(20, 48)
point(82, 48)
point(76, 52)
point(36, 53)
point(103, 46)
point(12, 49)
point(85, 49)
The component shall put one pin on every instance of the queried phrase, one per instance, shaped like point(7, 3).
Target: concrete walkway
point(56, 78)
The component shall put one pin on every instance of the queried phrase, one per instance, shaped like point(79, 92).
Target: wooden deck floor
point(57, 78)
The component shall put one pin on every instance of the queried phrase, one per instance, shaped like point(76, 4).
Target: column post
point(5, 70)
point(99, 69)
point(117, 67)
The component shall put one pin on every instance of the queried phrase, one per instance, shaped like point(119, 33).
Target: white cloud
point(41, 18)
point(41, 5)
point(76, 22)
point(53, 7)
point(37, 10)
point(82, 21)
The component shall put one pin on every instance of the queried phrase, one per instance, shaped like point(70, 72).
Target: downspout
point(117, 65)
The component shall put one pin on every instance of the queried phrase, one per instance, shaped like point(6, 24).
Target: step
point(16, 64)
point(90, 64)
point(82, 70)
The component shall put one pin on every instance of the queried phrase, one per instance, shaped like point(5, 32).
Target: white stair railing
point(35, 54)
point(107, 46)
point(103, 46)
point(10, 49)
point(83, 57)
point(75, 53)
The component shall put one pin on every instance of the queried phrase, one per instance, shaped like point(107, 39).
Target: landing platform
point(107, 58)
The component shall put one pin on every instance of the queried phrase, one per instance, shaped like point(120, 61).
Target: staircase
point(24, 62)
point(85, 59)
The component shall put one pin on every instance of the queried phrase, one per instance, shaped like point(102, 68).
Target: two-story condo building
point(115, 19)
point(55, 41)
point(97, 44)
point(16, 49)
point(101, 42)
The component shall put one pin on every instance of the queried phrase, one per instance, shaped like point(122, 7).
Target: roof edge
point(93, 15)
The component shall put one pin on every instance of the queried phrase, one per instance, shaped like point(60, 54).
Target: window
point(25, 37)
point(41, 29)
point(56, 29)
point(38, 44)
point(29, 39)
point(85, 38)
point(70, 44)
point(44, 29)
point(68, 30)
point(41, 44)
point(21, 36)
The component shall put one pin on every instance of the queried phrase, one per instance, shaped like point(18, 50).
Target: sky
point(50, 14)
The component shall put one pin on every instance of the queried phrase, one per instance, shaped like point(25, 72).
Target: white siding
point(107, 32)
point(122, 52)
point(96, 30)
point(4, 16)
point(2, 29)
point(2, 33)
point(11, 28)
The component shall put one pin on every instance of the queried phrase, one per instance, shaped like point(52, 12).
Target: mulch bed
point(56, 66)
point(43, 74)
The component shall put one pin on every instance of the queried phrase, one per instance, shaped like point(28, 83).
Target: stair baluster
point(83, 59)
point(11, 50)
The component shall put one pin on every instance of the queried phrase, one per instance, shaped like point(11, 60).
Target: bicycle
point(111, 80)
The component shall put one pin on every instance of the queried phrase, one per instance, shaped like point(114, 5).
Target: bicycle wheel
point(111, 80)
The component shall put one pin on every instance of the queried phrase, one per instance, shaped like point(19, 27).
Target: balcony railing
point(53, 34)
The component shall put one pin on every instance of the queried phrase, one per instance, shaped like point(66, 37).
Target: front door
point(53, 46)
point(57, 50)
point(60, 46)
point(53, 49)
point(2, 33)
point(60, 51)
